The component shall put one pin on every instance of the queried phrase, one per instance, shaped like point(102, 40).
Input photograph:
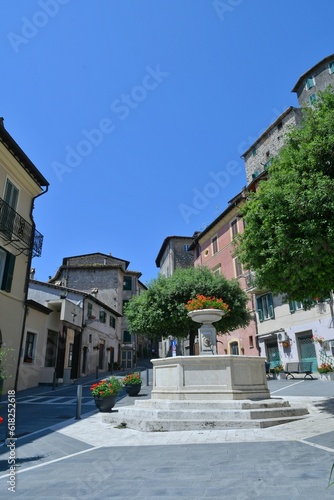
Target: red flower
point(1, 420)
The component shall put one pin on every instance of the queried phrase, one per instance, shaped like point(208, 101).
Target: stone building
point(109, 280)
point(280, 323)
point(174, 254)
point(259, 155)
point(318, 78)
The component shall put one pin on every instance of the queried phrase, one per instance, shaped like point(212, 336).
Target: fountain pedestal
point(219, 377)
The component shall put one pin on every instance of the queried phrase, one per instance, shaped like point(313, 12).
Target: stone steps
point(164, 415)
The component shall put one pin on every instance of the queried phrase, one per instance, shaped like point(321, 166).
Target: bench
point(296, 368)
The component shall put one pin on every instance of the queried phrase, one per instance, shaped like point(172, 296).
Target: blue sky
point(137, 112)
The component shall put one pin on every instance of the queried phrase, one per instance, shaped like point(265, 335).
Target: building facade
point(318, 78)
point(79, 336)
point(20, 184)
point(214, 249)
point(109, 280)
point(174, 254)
point(286, 332)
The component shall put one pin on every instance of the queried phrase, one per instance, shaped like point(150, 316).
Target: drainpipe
point(26, 287)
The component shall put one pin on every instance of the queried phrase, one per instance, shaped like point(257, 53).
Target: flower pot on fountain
point(206, 310)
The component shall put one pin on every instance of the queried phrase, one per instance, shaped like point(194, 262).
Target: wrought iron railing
point(18, 231)
point(250, 280)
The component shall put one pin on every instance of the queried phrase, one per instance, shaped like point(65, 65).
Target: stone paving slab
point(275, 470)
point(89, 459)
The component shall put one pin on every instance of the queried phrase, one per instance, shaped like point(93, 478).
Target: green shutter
point(271, 312)
point(292, 306)
point(8, 272)
point(271, 306)
point(260, 314)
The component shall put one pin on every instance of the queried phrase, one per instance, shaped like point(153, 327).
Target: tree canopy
point(289, 222)
point(159, 310)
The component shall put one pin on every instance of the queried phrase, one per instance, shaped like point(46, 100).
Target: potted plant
point(317, 339)
point(105, 393)
point(132, 383)
point(276, 370)
point(326, 371)
point(285, 343)
point(206, 310)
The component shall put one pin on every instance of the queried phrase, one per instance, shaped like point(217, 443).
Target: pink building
point(214, 249)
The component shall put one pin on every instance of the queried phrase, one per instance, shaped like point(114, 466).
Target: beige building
point(20, 184)
point(68, 334)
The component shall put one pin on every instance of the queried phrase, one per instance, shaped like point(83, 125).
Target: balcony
point(18, 232)
point(250, 280)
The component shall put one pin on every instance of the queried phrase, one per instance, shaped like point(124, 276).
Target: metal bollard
point(79, 399)
point(54, 381)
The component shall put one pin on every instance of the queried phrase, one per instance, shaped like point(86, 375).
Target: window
point(217, 270)
point(234, 348)
point(126, 337)
point(267, 165)
point(51, 349)
point(238, 267)
point(29, 347)
point(70, 355)
point(112, 321)
point(309, 83)
point(214, 242)
point(186, 248)
point(102, 316)
point(7, 263)
point(251, 341)
point(265, 307)
point(127, 283)
point(331, 67)
point(295, 305)
point(279, 126)
point(89, 309)
point(8, 211)
point(234, 227)
point(254, 151)
point(313, 98)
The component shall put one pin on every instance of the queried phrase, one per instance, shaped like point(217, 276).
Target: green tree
point(160, 312)
point(289, 225)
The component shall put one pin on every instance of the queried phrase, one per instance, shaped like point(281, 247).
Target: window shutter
point(271, 306)
point(260, 314)
point(309, 83)
point(292, 306)
point(271, 312)
point(8, 273)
